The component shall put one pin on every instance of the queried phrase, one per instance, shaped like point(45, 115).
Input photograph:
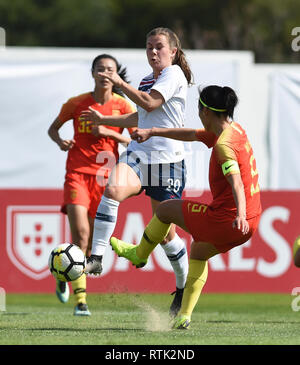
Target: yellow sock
point(79, 289)
point(154, 233)
point(195, 281)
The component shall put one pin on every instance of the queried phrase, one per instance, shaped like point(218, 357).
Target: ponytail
point(181, 61)
point(230, 100)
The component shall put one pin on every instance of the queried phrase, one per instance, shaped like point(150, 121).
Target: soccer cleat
point(128, 251)
point(81, 309)
point(176, 304)
point(62, 291)
point(181, 322)
point(94, 265)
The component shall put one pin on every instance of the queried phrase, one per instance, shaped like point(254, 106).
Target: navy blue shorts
point(160, 181)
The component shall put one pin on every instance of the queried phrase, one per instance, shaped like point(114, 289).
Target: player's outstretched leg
point(154, 233)
point(127, 250)
point(62, 291)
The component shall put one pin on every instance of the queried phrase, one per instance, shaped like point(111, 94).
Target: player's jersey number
point(254, 186)
point(84, 127)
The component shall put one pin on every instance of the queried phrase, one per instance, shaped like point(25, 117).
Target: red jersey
point(231, 145)
point(82, 157)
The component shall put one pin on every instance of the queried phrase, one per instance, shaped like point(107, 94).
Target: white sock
point(177, 255)
point(104, 224)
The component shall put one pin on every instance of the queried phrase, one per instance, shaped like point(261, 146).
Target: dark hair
point(122, 72)
point(179, 58)
point(224, 99)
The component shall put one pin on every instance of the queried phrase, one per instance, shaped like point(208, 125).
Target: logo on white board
point(32, 233)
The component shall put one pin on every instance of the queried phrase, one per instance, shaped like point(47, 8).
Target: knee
point(163, 212)
point(170, 236)
point(113, 192)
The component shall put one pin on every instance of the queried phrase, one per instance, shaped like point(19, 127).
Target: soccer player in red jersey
point(92, 153)
point(233, 215)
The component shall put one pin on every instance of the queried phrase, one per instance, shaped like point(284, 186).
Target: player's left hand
point(241, 224)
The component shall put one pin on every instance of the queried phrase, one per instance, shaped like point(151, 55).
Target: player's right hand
point(66, 144)
point(141, 135)
point(241, 224)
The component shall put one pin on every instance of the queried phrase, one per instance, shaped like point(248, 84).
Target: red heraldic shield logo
point(32, 233)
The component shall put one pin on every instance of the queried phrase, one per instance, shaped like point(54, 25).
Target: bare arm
point(101, 131)
point(181, 134)
point(64, 144)
point(238, 192)
point(149, 102)
point(125, 121)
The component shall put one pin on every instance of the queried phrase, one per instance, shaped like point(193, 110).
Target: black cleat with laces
point(94, 265)
point(176, 304)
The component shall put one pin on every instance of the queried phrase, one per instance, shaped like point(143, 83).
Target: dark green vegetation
point(263, 26)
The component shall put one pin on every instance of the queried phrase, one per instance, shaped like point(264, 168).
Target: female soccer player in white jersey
point(156, 166)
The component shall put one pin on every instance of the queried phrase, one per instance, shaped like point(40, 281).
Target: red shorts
point(204, 225)
point(82, 189)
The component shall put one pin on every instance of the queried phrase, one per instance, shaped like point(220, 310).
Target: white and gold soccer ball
point(66, 262)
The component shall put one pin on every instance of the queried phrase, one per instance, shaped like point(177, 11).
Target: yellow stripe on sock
point(154, 233)
point(79, 289)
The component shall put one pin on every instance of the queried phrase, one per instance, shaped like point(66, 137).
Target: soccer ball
point(66, 262)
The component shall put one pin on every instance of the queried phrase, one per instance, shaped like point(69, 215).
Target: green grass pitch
point(142, 319)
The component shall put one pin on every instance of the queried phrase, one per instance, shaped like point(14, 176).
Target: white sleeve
point(168, 82)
